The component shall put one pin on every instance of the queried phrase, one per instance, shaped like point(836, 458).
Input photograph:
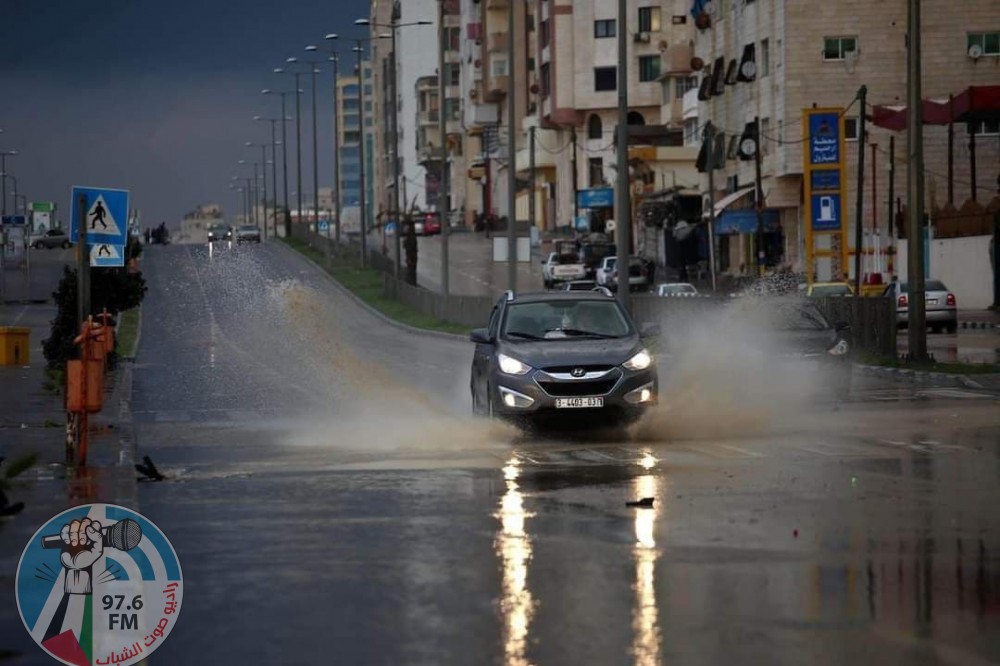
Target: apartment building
point(356, 130)
point(814, 54)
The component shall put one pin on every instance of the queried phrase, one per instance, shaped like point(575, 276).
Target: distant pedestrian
point(147, 234)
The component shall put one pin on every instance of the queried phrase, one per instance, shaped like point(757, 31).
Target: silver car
point(50, 239)
point(942, 308)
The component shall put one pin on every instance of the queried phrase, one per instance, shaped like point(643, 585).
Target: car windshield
point(560, 319)
point(248, 227)
point(799, 317)
point(929, 285)
point(831, 290)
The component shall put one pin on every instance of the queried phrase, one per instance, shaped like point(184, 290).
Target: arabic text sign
point(824, 138)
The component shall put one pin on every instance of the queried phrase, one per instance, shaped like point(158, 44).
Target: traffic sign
point(106, 217)
point(14, 220)
point(105, 255)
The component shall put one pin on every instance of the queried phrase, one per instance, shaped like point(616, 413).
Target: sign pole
point(83, 263)
point(859, 212)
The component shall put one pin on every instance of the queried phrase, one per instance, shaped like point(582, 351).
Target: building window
point(453, 38)
point(545, 79)
point(986, 128)
point(635, 118)
point(837, 48)
point(988, 42)
point(690, 131)
point(452, 108)
point(604, 28)
point(352, 137)
point(498, 66)
point(605, 79)
point(851, 128)
point(596, 170)
point(543, 34)
point(649, 68)
point(765, 57)
point(684, 84)
point(665, 90)
point(452, 74)
point(595, 129)
point(351, 104)
point(649, 19)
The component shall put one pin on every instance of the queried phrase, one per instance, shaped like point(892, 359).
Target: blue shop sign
point(744, 221)
point(601, 197)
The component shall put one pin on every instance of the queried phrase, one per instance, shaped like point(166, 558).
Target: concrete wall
point(963, 264)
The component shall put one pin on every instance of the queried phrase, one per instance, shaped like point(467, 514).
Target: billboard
point(823, 169)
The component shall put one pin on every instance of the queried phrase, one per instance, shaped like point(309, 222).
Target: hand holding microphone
point(83, 543)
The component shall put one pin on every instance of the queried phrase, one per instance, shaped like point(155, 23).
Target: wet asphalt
point(331, 501)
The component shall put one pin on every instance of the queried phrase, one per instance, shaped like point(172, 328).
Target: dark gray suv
point(562, 358)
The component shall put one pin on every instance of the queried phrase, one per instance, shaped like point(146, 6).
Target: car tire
point(935, 328)
point(39, 245)
point(952, 327)
point(65, 245)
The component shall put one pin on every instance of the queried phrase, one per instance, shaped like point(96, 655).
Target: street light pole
point(335, 60)
point(511, 152)
point(444, 194)
point(917, 329)
point(623, 223)
point(3, 181)
point(362, 199)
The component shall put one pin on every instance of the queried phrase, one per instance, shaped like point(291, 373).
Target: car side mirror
point(842, 326)
point(649, 330)
point(481, 336)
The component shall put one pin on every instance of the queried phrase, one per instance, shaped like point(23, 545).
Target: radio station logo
point(99, 584)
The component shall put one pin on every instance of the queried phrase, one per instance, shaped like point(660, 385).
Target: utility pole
point(709, 143)
point(576, 172)
point(444, 194)
point(284, 168)
point(298, 154)
point(362, 198)
point(396, 178)
point(623, 222)
point(759, 197)
point(274, 185)
point(891, 217)
point(83, 263)
point(917, 324)
point(313, 70)
point(511, 151)
point(531, 168)
point(859, 211)
point(335, 59)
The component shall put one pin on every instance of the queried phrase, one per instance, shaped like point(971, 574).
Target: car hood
point(791, 343)
point(573, 351)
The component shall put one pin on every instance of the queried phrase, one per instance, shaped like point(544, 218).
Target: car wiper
point(576, 332)
point(526, 336)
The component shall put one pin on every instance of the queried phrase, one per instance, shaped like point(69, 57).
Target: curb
point(978, 324)
point(371, 310)
point(919, 377)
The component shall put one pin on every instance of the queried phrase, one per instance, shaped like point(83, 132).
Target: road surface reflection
point(513, 547)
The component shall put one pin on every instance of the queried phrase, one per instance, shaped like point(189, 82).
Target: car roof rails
point(509, 295)
point(603, 290)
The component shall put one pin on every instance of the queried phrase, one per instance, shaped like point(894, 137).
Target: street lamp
point(334, 59)
point(3, 181)
point(284, 153)
point(252, 189)
point(394, 26)
point(274, 174)
point(298, 141)
point(263, 168)
point(312, 72)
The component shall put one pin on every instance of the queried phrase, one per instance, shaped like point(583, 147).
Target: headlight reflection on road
point(513, 547)
point(645, 616)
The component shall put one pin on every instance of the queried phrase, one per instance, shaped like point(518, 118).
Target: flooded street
point(328, 487)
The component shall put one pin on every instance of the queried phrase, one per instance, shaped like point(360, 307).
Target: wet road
point(331, 502)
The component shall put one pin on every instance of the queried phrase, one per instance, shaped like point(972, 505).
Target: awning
point(973, 104)
point(744, 221)
point(728, 200)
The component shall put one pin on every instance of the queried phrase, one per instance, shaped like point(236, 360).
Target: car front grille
point(571, 368)
point(570, 388)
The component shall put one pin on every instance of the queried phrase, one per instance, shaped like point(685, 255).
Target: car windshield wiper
point(576, 332)
point(522, 334)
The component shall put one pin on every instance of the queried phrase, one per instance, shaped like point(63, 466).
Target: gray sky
point(157, 97)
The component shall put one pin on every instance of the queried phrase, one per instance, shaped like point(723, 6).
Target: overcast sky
point(156, 97)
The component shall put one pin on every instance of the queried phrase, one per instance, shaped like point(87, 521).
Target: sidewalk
point(978, 319)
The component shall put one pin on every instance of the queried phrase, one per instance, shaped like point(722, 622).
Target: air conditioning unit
point(642, 37)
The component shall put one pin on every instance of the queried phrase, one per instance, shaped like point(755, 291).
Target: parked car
point(803, 335)
point(579, 285)
point(681, 289)
point(50, 239)
point(604, 270)
point(941, 305)
point(219, 232)
point(640, 275)
point(247, 233)
point(432, 224)
point(561, 267)
point(568, 358)
point(825, 289)
point(592, 254)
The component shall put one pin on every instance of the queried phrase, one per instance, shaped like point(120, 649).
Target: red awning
point(973, 104)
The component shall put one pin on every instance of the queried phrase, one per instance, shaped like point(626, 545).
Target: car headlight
point(511, 366)
point(839, 349)
point(642, 360)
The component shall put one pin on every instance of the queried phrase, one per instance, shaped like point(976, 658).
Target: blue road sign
point(106, 220)
point(14, 219)
point(324, 225)
point(105, 255)
point(826, 212)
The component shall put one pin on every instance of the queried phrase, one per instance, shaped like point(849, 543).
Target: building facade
point(355, 111)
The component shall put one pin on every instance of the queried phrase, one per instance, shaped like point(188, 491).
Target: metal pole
point(362, 199)
point(3, 184)
point(395, 158)
point(284, 166)
point(263, 188)
point(860, 209)
point(298, 151)
point(972, 158)
point(891, 217)
point(82, 262)
point(917, 329)
point(531, 168)
point(951, 150)
point(623, 222)
point(312, 68)
point(336, 143)
point(253, 196)
point(274, 182)
point(710, 152)
point(511, 152)
point(444, 195)
point(576, 172)
point(759, 198)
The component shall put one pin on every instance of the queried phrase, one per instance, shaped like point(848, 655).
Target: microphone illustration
point(123, 535)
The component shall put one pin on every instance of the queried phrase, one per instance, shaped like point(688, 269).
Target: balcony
point(544, 159)
point(673, 112)
point(497, 89)
point(485, 114)
point(428, 117)
point(497, 42)
point(428, 153)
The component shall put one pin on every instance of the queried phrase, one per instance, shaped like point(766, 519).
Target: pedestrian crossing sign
point(105, 255)
point(104, 217)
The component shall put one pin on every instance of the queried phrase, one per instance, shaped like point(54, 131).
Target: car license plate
point(577, 403)
point(931, 301)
